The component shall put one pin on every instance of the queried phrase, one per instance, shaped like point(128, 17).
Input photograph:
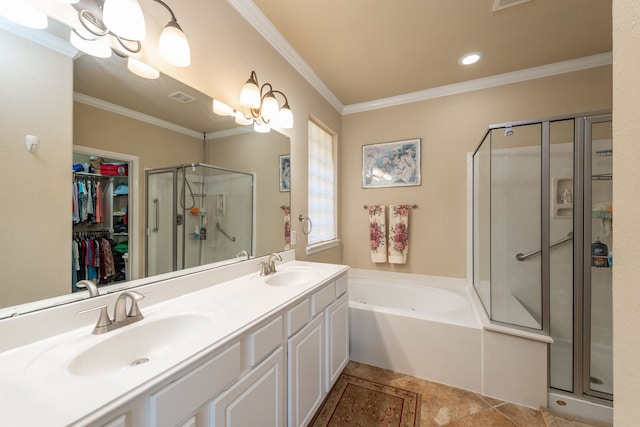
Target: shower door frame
point(582, 253)
point(582, 305)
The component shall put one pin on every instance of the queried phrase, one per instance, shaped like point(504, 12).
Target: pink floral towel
point(287, 227)
point(398, 233)
point(377, 233)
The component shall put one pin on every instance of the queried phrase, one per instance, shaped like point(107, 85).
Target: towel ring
point(302, 219)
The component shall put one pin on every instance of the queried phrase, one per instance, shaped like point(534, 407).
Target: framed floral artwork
point(391, 164)
point(285, 173)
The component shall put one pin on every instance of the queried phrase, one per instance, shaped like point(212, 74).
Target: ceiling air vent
point(182, 97)
point(503, 4)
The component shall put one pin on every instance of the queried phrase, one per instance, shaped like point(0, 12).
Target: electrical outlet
point(293, 237)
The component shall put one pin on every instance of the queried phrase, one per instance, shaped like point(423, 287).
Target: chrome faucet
point(269, 267)
point(90, 286)
point(121, 317)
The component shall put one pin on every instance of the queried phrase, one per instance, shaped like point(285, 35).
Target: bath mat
point(354, 401)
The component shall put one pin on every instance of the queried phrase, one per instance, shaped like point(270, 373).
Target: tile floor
point(442, 405)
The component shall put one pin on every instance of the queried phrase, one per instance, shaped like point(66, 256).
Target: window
point(322, 186)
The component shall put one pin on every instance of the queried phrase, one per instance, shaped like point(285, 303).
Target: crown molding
point(239, 130)
point(117, 109)
point(40, 37)
point(542, 71)
point(254, 16)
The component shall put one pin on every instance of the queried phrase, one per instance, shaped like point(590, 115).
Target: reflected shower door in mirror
point(74, 102)
point(197, 214)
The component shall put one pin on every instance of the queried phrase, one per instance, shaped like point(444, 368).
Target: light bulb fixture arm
point(173, 16)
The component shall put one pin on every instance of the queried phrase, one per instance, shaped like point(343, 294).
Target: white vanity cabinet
point(318, 351)
point(276, 373)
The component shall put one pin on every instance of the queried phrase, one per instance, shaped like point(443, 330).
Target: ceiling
point(368, 50)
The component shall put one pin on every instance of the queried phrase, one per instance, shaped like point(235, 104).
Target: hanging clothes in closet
point(87, 203)
point(93, 259)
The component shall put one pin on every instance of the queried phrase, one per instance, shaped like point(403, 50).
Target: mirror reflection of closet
point(102, 230)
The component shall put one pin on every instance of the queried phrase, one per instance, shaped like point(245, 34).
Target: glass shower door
point(161, 218)
point(598, 353)
point(516, 221)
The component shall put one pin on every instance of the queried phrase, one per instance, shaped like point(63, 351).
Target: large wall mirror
point(77, 104)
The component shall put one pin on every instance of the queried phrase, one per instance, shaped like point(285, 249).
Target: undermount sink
point(154, 338)
point(291, 277)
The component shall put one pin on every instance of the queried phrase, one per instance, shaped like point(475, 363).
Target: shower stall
point(196, 214)
point(543, 242)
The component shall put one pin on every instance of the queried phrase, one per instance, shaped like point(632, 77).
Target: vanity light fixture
point(263, 106)
point(123, 20)
point(264, 110)
point(89, 45)
point(470, 58)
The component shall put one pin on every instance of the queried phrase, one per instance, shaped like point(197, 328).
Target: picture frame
point(391, 164)
point(285, 173)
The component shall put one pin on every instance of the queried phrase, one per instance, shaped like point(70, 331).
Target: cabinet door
point(256, 400)
point(306, 370)
point(337, 338)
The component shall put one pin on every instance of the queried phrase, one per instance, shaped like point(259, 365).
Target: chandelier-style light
point(261, 105)
point(123, 20)
point(264, 109)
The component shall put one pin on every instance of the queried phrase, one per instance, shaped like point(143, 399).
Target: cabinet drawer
point(178, 400)
point(341, 285)
point(265, 340)
point(323, 298)
point(298, 316)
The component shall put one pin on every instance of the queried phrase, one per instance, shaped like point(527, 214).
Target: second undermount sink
point(291, 277)
point(157, 337)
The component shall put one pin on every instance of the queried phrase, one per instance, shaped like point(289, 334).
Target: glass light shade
point(250, 94)
point(23, 14)
point(261, 127)
point(92, 47)
point(270, 108)
point(221, 109)
point(174, 46)
point(242, 120)
point(285, 118)
point(141, 69)
point(125, 18)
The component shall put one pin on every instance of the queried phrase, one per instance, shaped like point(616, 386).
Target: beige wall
point(449, 127)
point(33, 192)
point(156, 147)
point(626, 196)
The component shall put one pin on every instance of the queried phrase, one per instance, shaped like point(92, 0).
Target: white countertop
point(37, 390)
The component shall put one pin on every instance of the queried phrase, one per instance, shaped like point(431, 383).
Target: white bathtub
point(418, 325)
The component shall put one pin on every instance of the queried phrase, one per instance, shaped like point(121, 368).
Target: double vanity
point(226, 346)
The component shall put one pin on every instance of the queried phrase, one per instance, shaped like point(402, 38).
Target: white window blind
point(322, 184)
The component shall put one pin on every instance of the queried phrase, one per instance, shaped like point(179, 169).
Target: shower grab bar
point(157, 227)
point(233, 239)
point(522, 257)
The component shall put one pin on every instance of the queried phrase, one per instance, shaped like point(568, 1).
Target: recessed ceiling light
point(470, 58)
